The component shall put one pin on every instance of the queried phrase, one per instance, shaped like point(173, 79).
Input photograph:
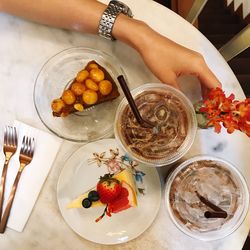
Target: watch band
point(109, 16)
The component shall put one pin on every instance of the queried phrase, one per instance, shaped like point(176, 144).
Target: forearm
point(167, 60)
point(81, 15)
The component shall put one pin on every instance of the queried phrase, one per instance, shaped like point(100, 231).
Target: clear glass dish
point(55, 75)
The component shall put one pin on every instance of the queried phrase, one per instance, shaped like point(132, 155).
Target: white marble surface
point(24, 48)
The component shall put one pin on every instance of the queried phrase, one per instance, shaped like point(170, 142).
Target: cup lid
point(220, 183)
point(171, 111)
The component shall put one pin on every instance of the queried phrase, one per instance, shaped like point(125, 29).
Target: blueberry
point(86, 203)
point(93, 195)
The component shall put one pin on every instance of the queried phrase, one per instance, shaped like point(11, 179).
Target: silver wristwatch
point(109, 16)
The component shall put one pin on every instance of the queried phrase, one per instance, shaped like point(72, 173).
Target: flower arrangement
point(221, 110)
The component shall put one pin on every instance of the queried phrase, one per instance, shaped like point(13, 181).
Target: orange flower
point(233, 114)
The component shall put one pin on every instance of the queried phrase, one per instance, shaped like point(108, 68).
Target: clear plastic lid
point(171, 112)
point(220, 183)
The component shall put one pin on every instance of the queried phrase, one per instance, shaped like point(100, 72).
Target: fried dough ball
point(96, 74)
point(82, 75)
point(92, 66)
point(105, 87)
point(78, 88)
point(90, 97)
point(90, 84)
point(57, 105)
point(68, 97)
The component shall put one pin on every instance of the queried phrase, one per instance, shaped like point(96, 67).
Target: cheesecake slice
point(126, 198)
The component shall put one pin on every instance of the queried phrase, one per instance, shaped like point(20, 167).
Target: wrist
point(131, 31)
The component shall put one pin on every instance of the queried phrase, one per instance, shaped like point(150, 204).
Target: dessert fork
point(9, 148)
point(25, 157)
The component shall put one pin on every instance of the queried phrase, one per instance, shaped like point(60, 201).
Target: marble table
point(25, 46)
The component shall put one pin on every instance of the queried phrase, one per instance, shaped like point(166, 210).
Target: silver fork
point(9, 148)
point(25, 157)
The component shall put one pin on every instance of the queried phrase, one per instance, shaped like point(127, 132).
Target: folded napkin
point(33, 176)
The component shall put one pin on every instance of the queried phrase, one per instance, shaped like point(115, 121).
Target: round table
point(25, 46)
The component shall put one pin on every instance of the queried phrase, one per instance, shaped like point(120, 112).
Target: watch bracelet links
point(108, 19)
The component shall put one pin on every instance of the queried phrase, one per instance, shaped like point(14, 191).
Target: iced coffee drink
point(171, 113)
point(207, 186)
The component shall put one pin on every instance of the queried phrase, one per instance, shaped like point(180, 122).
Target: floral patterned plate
point(81, 173)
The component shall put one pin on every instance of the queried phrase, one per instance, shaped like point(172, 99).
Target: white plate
point(81, 172)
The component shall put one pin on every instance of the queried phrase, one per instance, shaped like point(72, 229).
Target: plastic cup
point(171, 112)
point(216, 180)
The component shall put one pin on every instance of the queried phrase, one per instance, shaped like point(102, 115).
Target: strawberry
point(108, 188)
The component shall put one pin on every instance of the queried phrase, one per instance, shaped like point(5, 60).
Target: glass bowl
point(171, 111)
point(56, 74)
point(220, 183)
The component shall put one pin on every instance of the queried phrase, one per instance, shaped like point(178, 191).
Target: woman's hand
point(168, 60)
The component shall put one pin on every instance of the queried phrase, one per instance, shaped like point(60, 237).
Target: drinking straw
point(217, 210)
point(215, 214)
point(132, 104)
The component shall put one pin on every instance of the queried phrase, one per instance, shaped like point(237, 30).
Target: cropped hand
point(168, 60)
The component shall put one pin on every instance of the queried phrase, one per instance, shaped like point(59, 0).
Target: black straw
point(216, 214)
point(210, 204)
point(132, 104)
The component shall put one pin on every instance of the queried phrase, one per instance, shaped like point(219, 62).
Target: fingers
point(204, 92)
point(173, 83)
point(170, 79)
point(207, 77)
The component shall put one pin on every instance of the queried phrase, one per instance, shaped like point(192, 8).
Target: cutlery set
point(25, 157)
